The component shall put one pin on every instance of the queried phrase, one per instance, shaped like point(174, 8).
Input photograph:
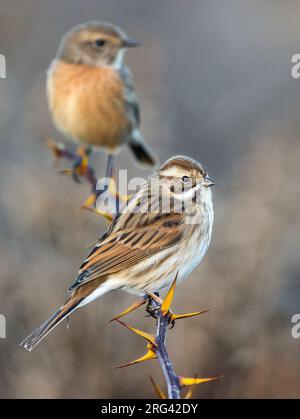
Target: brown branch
point(173, 381)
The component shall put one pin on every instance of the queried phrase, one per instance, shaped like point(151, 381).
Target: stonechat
point(91, 91)
point(145, 247)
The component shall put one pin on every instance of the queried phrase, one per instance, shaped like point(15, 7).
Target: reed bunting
point(91, 92)
point(164, 230)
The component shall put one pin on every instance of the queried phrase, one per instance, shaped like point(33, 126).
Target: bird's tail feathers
point(142, 152)
point(38, 334)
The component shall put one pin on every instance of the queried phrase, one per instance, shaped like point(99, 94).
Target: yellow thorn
point(169, 298)
point(187, 315)
point(128, 310)
point(155, 297)
point(189, 393)
point(192, 381)
point(144, 335)
point(89, 202)
point(157, 389)
point(149, 355)
point(104, 214)
point(67, 172)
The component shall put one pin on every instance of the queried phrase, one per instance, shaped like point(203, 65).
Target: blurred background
point(214, 82)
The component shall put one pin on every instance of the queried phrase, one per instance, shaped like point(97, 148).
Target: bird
point(91, 93)
point(164, 230)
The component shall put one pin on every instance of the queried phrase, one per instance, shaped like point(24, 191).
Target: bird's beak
point(208, 182)
point(130, 43)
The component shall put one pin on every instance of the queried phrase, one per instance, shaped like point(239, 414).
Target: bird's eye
point(185, 179)
point(100, 42)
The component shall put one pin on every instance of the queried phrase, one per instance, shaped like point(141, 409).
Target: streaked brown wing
point(121, 248)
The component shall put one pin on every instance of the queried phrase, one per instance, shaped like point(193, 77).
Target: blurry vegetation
point(214, 83)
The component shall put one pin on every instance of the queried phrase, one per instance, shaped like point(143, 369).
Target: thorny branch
point(173, 382)
point(81, 168)
point(156, 346)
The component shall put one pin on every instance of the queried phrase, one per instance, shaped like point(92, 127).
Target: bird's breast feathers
point(87, 103)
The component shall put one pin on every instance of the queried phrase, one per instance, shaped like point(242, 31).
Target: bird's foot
point(80, 165)
point(153, 304)
point(166, 310)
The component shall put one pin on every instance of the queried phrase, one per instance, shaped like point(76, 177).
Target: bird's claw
point(152, 309)
point(80, 165)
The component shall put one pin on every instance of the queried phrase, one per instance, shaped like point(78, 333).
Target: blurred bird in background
point(91, 93)
point(163, 232)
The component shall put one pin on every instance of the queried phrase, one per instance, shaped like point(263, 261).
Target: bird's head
point(184, 176)
point(95, 44)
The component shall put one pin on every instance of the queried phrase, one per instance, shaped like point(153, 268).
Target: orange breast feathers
point(87, 104)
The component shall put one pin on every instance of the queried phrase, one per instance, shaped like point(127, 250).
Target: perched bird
point(91, 92)
point(164, 231)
